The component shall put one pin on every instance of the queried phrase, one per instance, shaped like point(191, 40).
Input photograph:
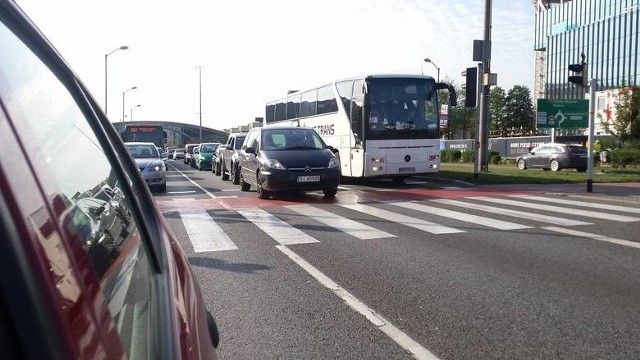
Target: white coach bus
point(380, 126)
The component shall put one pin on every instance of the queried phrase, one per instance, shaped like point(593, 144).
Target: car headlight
point(274, 164)
point(333, 163)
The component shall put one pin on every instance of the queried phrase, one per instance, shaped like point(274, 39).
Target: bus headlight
point(377, 160)
point(377, 168)
point(434, 158)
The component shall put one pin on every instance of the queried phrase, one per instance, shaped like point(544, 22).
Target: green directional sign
point(562, 113)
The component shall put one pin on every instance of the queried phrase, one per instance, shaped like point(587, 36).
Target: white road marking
point(181, 192)
point(508, 212)
point(184, 199)
point(474, 219)
point(395, 334)
point(581, 203)
point(204, 233)
point(559, 209)
point(196, 185)
point(353, 228)
point(279, 230)
point(594, 236)
point(403, 219)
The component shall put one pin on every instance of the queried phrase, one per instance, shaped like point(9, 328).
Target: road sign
point(562, 113)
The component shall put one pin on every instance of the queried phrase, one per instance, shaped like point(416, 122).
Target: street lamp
point(124, 92)
point(200, 92)
point(427, 60)
point(131, 112)
point(124, 47)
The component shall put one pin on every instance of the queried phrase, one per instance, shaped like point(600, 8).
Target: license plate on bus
point(309, 178)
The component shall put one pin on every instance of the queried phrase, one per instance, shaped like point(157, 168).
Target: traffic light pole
point(592, 110)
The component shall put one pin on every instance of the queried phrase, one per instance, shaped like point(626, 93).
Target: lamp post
point(124, 92)
point(124, 47)
point(427, 60)
point(131, 112)
point(200, 94)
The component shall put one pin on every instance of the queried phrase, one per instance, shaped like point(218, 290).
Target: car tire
point(218, 171)
point(162, 188)
point(225, 174)
point(522, 165)
point(330, 193)
point(262, 193)
point(235, 174)
point(244, 186)
point(554, 165)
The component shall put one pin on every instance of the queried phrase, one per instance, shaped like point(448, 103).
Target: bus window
point(308, 104)
point(293, 107)
point(326, 100)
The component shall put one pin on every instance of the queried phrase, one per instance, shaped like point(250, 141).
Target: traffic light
point(471, 87)
point(580, 78)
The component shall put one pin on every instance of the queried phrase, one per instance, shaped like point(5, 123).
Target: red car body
point(90, 269)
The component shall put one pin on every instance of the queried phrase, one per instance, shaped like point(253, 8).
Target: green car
point(203, 159)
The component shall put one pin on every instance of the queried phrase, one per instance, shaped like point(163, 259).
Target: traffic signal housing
point(471, 87)
point(580, 78)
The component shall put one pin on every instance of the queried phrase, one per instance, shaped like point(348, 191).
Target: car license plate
point(309, 178)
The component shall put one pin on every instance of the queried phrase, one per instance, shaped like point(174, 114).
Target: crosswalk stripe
point(594, 236)
point(403, 219)
point(353, 228)
point(564, 210)
point(515, 213)
point(279, 230)
point(581, 203)
point(204, 233)
point(474, 219)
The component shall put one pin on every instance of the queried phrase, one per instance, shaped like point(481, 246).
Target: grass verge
point(509, 174)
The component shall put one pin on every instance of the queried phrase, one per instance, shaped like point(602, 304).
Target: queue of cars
point(273, 159)
point(91, 269)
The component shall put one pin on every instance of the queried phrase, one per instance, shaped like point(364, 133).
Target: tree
point(519, 109)
point(627, 124)
point(497, 108)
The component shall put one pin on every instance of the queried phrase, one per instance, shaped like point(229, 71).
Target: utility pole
point(200, 95)
point(486, 88)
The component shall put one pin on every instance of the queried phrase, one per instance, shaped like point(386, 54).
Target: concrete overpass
point(178, 134)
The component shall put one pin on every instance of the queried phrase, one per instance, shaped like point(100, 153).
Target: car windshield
point(291, 139)
point(208, 148)
point(143, 151)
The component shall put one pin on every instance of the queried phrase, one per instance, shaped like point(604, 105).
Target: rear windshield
point(577, 149)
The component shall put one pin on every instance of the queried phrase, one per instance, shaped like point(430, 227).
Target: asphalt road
point(422, 270)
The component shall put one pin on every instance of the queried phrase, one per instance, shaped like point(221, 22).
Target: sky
point(229, 58)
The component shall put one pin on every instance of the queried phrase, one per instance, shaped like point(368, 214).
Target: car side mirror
point(329, 147)
point(250, 150)
point(228, 147)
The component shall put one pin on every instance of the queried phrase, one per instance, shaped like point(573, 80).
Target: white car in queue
point(150, 163)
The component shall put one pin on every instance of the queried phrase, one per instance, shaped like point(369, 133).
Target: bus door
point(356, 156)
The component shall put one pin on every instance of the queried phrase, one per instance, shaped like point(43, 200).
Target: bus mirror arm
point(453, 98)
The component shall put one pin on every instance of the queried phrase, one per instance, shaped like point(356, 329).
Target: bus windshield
point(401, 109)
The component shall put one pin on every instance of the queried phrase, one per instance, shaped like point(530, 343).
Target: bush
point(450, 155)
point(625, 156)
point(467, 156)
point(495, 159)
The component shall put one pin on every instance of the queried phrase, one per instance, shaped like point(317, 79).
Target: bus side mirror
point(453, 98)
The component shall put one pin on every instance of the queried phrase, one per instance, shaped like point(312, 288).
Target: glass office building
point(605, 31)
